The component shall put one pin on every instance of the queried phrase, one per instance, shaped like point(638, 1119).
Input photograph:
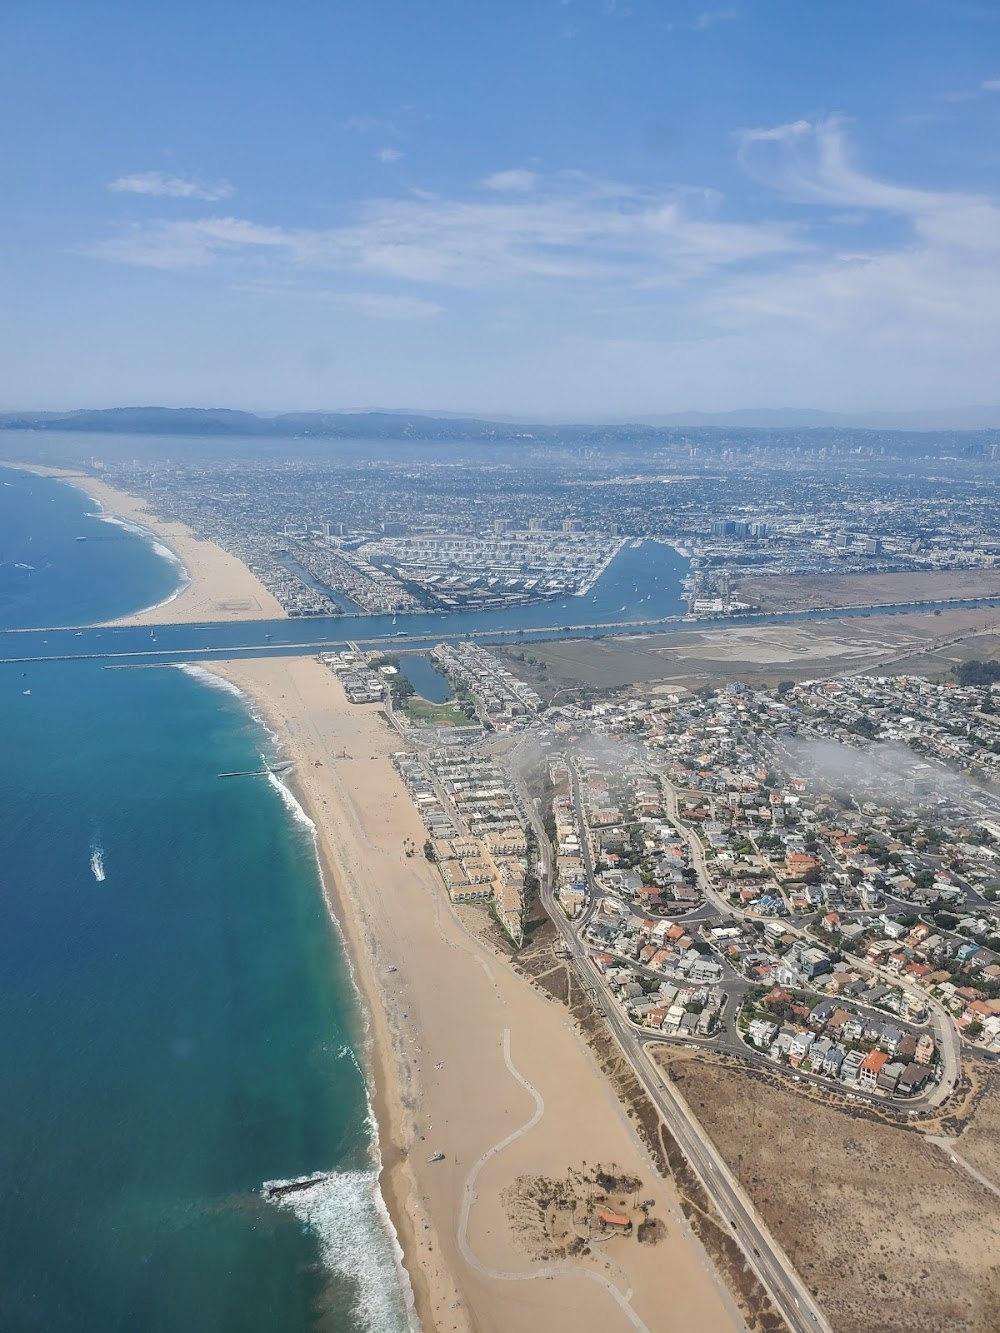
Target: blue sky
point(568, 208)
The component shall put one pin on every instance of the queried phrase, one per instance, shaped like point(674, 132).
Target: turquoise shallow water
point(179, 1024)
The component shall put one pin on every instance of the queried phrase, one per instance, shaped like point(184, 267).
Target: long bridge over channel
point(193, 642)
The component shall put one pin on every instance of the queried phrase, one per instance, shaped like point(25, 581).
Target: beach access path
point(468, 1059)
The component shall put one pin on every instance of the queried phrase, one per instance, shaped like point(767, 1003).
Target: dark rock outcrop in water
point(273, 1190)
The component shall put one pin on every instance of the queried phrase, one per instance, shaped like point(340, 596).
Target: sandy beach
point(220, 588)
point(468, 1059)
point(465, 1056)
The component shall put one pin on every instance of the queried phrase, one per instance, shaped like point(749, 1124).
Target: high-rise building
point(873, 546)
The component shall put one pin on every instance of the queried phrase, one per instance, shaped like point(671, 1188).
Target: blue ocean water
point(178, 1021)
point(50, 577)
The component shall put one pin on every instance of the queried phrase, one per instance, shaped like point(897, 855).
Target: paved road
point(762, 1251)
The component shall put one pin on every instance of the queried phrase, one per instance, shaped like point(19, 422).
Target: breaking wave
point(346, 1210)
point(210, 679)
point(160, 549)
point(346, 1213)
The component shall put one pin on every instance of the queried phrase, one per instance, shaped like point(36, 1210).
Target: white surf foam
point(316, 1206)
point(97, 863)
point(346, 1213)
point(210, 679)
point(160, 549)
point(291, 804)
point(402, 1277)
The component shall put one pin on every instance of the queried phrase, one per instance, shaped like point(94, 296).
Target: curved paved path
point(623, 1299)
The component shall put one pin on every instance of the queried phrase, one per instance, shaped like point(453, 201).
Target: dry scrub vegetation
point(539, 962)
point(889, 1234)
point(979, 1142)
point(559, 1219)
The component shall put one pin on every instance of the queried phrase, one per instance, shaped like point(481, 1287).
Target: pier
point(276, 769)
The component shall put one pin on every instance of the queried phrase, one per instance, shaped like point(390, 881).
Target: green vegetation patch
point(423, 713)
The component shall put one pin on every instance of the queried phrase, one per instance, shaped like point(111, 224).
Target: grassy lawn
point(427, 714)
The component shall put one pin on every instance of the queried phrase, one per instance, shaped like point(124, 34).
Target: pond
point(425, 677)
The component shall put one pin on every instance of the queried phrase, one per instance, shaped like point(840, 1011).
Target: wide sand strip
point(466, 1054)
point(221, 587)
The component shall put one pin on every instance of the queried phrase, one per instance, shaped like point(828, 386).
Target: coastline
point(452, 1031)
point(218, 587)
point(459, 1047)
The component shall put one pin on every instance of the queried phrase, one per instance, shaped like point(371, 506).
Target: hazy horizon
point(966, 418)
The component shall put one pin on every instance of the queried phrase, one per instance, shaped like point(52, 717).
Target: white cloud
point(188, 244)
point(668, 286)
point(777, 133)
point(708, 18)
point(991, 85)
point(811, 163)
point(575, 228)
point(388, 155)
point(161, 185)
point(517, 179)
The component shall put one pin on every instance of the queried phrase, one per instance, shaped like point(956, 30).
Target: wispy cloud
point(811, 163)
point(372, 305)
point(814, 280)
point(708, 18)
point(193, 243)
point(389, 155)
point(991, 85)
point(517, 179)
point(363, 124)
point(570, 227)
point(161, 185)
point(924, 306)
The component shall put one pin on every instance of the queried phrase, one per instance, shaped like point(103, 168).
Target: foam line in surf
point(347, 1214)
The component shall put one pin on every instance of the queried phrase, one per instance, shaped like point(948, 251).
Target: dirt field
point(762, 654)
point(801, 592)
point(889, 1233)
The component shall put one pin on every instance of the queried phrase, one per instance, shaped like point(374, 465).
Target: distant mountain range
point(395, 424)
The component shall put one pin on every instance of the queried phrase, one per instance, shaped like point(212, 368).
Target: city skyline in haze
point(585, 210)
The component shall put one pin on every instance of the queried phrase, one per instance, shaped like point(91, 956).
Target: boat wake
point(97, 863)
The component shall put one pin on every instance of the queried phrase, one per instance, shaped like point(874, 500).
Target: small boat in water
point(25, 691)
point(81, 539)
